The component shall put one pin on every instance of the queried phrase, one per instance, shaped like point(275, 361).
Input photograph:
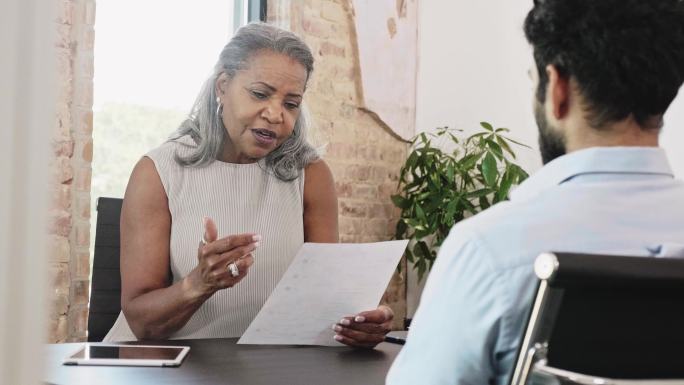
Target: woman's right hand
point(214, 256)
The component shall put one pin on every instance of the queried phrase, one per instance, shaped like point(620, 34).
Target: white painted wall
point(472, 65)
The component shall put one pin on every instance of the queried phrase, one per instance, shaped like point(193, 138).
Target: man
point(607, 72)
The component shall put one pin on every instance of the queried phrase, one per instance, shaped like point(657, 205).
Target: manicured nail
point(345, 322)
point(256, 237)
point(256, 244)
point(338, 337)
point(337, 328)
point(360, 318)
point(205, 220)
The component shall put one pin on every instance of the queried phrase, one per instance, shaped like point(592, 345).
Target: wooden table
point(222, 361)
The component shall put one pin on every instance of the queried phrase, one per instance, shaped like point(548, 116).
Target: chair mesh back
point(624, 328)
point(105, 295)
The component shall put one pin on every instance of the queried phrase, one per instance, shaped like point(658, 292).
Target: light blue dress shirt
point(619, 200)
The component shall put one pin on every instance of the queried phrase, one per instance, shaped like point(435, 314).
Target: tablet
point(127, 355)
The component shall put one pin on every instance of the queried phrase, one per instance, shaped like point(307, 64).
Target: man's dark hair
point(627, 56)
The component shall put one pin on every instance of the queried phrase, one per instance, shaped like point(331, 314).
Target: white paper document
point(325, 282)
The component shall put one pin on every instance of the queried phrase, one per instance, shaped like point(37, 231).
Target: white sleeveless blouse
point(240, 198)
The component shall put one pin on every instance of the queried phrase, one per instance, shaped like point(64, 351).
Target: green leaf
point(487, 126)
point(452, 207)
point(424, 139)
point(454, 138)
point(505, 185)
point(520, 174)
point(421, 251)
point(417, 251)
point(489, 170)
point(470, 207)
point(420, 214)
point(409, 255)
point(400, 202)
point(450, 172)
point(505, 146)
point(495, 149)
point(478, 193)
point(424, 249)
point(514, 141)
point(477, 135)
point(411, 161)
point(484, 203)
point(412, 222)
point(400, 230)
point(421, 266)
point(469, 161)
point(420, 234)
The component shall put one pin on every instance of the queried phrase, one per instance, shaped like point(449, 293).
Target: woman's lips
point(264, 137)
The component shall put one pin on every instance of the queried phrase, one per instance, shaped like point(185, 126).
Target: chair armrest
point(547, 375)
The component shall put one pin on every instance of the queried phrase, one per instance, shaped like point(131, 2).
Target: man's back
point(606, 72)
point(601, 200)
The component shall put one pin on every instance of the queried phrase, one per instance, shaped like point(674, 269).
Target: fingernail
point(337, 328)
point(334, 326)
point(205, 220)
point(360, 318)
point(345, 322)
point(256, 237)
point(256, 244)
point(337, 337)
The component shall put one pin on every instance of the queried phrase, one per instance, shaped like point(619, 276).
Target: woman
point(238, 165)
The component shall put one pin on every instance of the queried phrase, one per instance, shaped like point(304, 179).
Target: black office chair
point(105, 292)
point(599, 319)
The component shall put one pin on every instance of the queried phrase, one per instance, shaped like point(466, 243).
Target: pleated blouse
point(241, 198)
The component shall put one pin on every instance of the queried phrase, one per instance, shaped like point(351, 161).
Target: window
point(151, 58)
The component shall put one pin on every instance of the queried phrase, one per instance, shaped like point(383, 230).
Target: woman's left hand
point(365, 329)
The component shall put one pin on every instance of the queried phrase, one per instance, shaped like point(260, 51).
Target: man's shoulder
point(503, 235)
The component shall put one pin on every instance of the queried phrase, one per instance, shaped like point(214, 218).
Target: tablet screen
point(128, 352)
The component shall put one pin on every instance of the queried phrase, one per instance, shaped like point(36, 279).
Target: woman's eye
point(291, 106)
point(259, 95)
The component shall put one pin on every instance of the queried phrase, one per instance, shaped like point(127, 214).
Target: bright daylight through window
point(151, 58)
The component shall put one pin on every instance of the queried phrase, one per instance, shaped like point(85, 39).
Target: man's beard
point(551, 142)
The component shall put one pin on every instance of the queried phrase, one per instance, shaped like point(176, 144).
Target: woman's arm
point(320, 204)
point(153, 307)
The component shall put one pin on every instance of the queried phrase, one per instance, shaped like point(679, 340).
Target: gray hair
point(206, 128)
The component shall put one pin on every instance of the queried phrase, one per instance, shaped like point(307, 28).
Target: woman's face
point(260, 105)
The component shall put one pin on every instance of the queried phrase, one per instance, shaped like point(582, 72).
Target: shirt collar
point(595, 160)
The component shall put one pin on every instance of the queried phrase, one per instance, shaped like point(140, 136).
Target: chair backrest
point(608, 317)
point(105, 292)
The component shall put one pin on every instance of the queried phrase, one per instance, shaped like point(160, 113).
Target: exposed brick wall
point(364, 156)
point(70, 183)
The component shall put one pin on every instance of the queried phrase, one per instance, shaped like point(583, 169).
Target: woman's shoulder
point(165, 159)
point(172, 148)
point(318, 169)
point(317, 178)
point(174, 143)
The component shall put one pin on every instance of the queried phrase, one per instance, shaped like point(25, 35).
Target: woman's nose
point(273, 113)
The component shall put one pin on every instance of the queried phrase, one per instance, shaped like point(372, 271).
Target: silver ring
point(233, 269)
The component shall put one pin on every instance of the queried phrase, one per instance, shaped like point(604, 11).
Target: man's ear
point(558, 92)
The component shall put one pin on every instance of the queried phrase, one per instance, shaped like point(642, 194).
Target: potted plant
point(446, 179)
